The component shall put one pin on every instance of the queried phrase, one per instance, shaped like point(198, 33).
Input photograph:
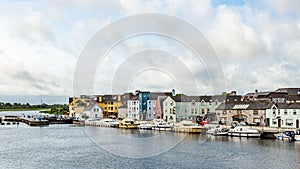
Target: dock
point(36, 121)
point(188, 129)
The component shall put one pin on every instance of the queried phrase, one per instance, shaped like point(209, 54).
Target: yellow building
point(109, 104)
point(76, 106)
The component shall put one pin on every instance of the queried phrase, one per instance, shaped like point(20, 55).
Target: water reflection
point(134, 143)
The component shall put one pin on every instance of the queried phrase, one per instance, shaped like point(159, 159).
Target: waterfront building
point(169, 109)
point(190, 107)
point(143, 104)
point(133, 109)
point(283, 115)
point(76, 106)
point(91, 111)
point(159, 107)
point(250, 112)
point(109, 104)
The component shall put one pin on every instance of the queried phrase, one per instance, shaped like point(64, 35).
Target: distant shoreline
point(24, 109)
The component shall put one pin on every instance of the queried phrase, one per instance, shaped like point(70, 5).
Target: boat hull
point(239, 134)
point(162, 128)
point(188, 129)
point(125, 126)
point(221, 134)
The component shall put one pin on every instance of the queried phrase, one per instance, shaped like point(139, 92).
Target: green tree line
point(53, 109)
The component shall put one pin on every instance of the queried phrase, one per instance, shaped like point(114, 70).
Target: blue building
point(143, 98)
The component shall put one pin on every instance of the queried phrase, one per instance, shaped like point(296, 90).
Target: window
point(285, 112)
point(255, 112)
point(294, 112)
point(278, 112)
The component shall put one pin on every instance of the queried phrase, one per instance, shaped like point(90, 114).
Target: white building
point(285, 115)
point(169, 110)
point(151, 104)
point(92, 111)
point(133, 109)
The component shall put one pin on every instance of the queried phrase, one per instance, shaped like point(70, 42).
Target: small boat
point(243, 131)
point(128, 124)
point(161, 125)
point(297, 135)
point(286, 135)
point(187, 126)
point(210, 129)
point(220, 131)
point(146, 126)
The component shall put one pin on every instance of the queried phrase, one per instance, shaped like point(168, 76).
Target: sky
point(257, 44)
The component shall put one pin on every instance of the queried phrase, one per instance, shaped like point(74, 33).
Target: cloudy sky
point(257, 44)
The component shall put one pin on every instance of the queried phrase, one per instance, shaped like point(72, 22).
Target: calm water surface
point(68, 146)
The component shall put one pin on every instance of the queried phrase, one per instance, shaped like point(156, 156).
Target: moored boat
point(220, 131)
point(146, 126)
point(187, 126)
point(286, 135)
point(297, 135)
point(161, 125)
point(128, 124)
point(243, 131)
point(210, 128)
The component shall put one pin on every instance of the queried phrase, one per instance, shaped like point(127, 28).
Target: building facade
point(283, 115)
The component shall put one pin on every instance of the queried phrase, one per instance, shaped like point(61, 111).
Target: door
point(297, 123)
point(279, 123)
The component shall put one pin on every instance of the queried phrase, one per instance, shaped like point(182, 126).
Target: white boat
point(102, 122)
point(243, 131)
point(210, 129)
point(111, 122)
point(187, 126)
point(146, 126)
point(286, 135)
point(220, 131)
point(161, 125)
point(297, 135)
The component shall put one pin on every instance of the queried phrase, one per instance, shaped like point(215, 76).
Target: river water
point(68, 146)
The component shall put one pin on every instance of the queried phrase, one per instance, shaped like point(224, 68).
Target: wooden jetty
point(33, 121)
point(188, 129)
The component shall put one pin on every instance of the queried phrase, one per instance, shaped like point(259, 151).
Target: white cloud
point(258, 42)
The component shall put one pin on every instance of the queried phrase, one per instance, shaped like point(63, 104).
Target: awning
point(239, 115)
point(240, 106)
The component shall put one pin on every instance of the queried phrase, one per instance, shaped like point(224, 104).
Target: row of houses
point(279, 108)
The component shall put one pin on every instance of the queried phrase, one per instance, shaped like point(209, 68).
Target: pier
point(36, 121)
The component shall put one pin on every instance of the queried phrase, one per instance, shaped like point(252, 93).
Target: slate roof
point(293, 97)
point(288, 105)
point(245, 105)
point(155, 95)
point(277, 95)
point(290, 91)
point(90, 106)
point(107, 98)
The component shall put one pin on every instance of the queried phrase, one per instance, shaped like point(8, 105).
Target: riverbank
point(23, 109)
